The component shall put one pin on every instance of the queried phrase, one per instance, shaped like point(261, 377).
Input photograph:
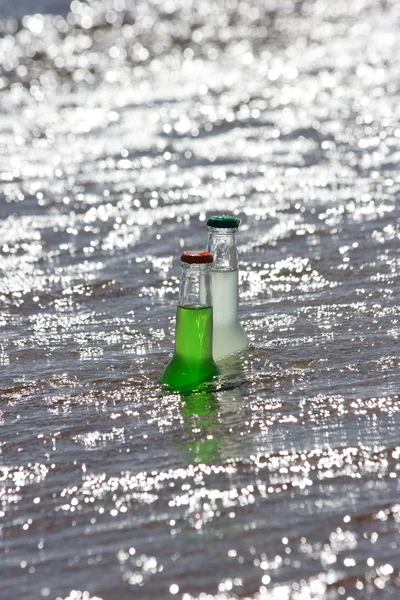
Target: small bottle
point(192, 362)
point(229, 335)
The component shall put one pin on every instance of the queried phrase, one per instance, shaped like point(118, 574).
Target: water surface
point(121, 130)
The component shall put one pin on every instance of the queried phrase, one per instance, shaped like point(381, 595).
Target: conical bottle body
point(229, 335)
point(192, 361)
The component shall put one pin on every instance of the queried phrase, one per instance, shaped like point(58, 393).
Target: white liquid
point(228, 334)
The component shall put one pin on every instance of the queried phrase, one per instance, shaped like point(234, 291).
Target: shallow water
point(121, 130)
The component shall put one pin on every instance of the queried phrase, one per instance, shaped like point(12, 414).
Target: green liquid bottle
point(192, 362)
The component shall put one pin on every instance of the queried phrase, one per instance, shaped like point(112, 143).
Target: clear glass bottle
point(229, 335)
point(192, 362)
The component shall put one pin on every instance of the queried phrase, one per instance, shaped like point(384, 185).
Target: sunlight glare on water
point(123, 126)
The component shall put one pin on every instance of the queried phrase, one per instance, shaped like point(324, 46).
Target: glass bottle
point(192, 362)
point(229, 335)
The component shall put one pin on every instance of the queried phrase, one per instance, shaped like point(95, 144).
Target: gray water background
point(122, 127)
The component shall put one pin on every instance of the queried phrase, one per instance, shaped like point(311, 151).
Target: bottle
point(192, 362)
point(229, 335)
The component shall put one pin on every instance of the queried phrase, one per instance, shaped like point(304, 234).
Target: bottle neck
point(222, 245)
point(195, 287)
point(193, 336)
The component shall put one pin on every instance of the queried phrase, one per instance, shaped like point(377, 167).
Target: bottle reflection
point(210, 414)
point(200, 413)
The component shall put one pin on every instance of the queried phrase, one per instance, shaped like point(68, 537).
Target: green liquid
point(192, 361)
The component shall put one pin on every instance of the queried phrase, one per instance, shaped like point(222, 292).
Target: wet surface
point(120, 131)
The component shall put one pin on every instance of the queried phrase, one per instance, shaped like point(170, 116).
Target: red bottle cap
point(197, 257)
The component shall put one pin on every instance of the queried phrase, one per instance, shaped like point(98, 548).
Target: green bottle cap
point(223, 222)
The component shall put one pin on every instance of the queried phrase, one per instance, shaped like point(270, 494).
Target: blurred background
point(123, 126)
